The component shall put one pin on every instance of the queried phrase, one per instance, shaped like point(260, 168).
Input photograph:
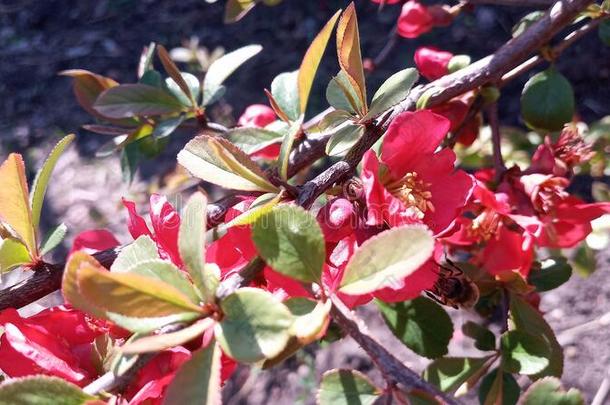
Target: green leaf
point(41, 390)
point(548, 391)
point(458, 62)
point(498, 387)
point(451, 373)
point(236, 9)
point(343, 139)
point(553, 272)
point(198, 380)
point(148, 324)
point(259, 207)
point(53, 239)
point(547, 101)
point(525, 22)
point(309, 325)
point(524, 353)
point(185, 86)
point(341, 94)
point(347, 387)
point(166, 127)
point(157, 343)
point(39, 187)
point(252, 140)
point(14, 206)
point(286, 148)
point(391, 92)
point(191, 243)
point(255, 325)
point(333, 120)
point(130, 100)
point(218, 161)
point(386, 259)
point(168, 273)
point(584, 261)
point(348, 52)
point(527, 319)
point(311, 61)
point(130, 294)
point(152, 78)
point(140, 250)
point(284, 89)
point(604, 32)
point(290, 240)
point(12, 254)
point(194, 88)
point(222, 68)
point(421, 324)
point(484, 339)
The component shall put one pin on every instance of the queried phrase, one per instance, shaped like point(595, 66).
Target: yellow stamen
point(413, 192)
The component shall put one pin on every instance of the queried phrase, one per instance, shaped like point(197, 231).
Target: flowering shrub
point(411, 216)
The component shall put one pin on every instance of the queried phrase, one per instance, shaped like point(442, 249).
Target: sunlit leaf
point(251, 139)
point(347, 387)
point(192, 82)
point(146, 325)
point(218, 161)
point(285, 92)
point(255, 325)
point(391, 92)
point(386, 259)
point(12, 254)
point(311, 61)
point(343, 139)
point(191, 243)
point(177, 77)
point(69, 283)
point(131, 294)
point(236, 9)
point(528, 319)
point(450, 373)
point(198, 380)
point(310, 320)
point(87, 87)
point(130, 100)
point(39, 186)
point(286, 148)
point(524, 353)
point(157, 343)
point(53, 239)
point(141, 249)
point(42, 390)
point(348, 50)
point(223, 67)
point(259, 207)
point(341, 94)
point(549, 391)
point(290, 240)
point(14, 204)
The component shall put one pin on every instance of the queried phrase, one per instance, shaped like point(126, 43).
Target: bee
point(454, 288)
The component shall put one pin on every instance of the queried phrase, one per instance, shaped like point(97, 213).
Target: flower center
point(485, 225)
point(413, 192)
point(549, 194)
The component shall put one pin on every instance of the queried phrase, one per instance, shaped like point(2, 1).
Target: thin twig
point(390, 366)
point(496, 139)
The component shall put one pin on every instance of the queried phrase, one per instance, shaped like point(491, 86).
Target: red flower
point(416, 19)
point(166, 225)
point(56, 341)
point(414, 183)
point(431, 62)
point(257, 115)
point(338, 219)
point(94, 241)
point(561, 157)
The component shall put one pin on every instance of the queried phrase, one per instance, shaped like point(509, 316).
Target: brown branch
point(47, 277)
point(392, 368)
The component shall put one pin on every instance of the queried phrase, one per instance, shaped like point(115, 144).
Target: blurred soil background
point(38, 39)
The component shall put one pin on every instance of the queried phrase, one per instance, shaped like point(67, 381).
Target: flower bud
point(257, 115)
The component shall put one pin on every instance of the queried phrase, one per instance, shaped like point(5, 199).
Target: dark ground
point(40, 38)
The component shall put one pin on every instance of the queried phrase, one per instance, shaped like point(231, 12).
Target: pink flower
point(431, 62)
point(257, 115)
point(416, 19)
point(165, 223)
point(94, 240)
point(413, 182)
point(56, 342)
